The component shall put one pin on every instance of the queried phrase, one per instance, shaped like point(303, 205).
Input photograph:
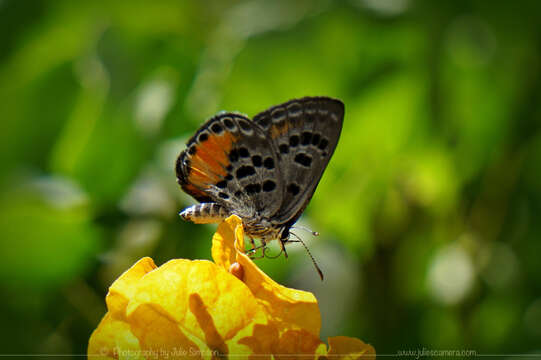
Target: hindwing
point(305, 132)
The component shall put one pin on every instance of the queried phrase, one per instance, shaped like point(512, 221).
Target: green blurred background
point(428, 211)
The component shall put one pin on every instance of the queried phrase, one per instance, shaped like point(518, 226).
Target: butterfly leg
point(257, 257)
point(254, 249)
point(252, 241)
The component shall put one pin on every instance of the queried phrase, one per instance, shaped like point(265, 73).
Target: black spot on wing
point(323, 144)
point(245, 171)
point(228, 122)
point(257, 161)
point(243, 152)
point(217, 128)
point(234, 155)
point(269, 163)
point(293, 141)
point(315, 139)
point(269, 185)
point(203, 137)
point(306, 138)
point(252, 189)
point(293, 188)
point(303, 160)
point(244, 125)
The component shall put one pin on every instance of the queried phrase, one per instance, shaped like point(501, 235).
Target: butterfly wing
point(231, 161)
point(305, 132)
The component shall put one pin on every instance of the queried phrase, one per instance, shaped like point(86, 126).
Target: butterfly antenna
point(309, 254)
point(315, 233)
point(271, 257)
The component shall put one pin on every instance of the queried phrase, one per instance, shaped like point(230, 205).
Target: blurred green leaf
point(46, 242)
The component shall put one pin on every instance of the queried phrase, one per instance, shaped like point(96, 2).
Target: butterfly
point(263, 170)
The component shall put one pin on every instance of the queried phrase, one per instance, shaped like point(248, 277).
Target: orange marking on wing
point(279, 130)
point(219, 146)
point(201, 178)
point(205, 162)
point(209, 162)
point(195, 192)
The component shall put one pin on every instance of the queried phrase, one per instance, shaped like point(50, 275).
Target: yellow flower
point(203, 309)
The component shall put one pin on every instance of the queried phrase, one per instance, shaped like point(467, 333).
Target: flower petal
point(343, 347)
point(223, 241)
point(125, 286)
point(261, 341)
point(219, 294)
point(158, 333)
point(202, 309)
point(266, 342)
point(297, 344)
point(289, 308)
point(110, 338)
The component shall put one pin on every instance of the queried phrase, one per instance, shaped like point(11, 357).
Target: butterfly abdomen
point(205, 213)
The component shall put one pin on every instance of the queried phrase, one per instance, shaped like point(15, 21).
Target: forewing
point(231, 161)
point(305, 132)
